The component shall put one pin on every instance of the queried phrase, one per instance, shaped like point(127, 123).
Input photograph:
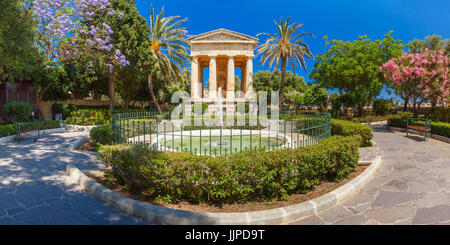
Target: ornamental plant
point(421, 76)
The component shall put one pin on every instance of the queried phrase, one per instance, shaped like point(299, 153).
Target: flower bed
point(87, 117)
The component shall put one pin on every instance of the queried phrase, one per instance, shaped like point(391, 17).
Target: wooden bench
point(419, 124)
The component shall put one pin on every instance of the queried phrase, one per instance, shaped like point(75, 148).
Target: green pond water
point(215, 145)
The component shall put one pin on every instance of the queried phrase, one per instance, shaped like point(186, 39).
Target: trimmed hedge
point(348, 128)
point(438, 128)
point(17, 111)
point(9, 129)
point(6, 130)
point(47, 124)
point(102, 135)
point(237, 178)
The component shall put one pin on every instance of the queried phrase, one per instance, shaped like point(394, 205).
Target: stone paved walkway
point(412, 186)
point(33, 188)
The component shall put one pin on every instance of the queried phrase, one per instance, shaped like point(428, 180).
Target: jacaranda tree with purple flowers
point(56, 20)
point(111, 35)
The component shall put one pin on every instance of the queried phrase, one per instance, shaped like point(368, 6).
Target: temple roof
point(222, 36)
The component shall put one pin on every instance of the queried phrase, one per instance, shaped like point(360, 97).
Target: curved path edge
point(162, 215)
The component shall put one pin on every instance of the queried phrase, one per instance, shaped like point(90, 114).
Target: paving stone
point(27, 200)
point(412, 173)
point(33, 188)
point(396, 185)
point(311, 220)
point(335, 213)
point(386, 198)
point(10, 221)
point(8, 201)
point(404, 222)
point(6, 190)
point(353, 220)
point(391, 214)
point(433, 199)
point(26, 218)
point(63, 204)
point(371, 222)
point(360, 207)
point(432, 215)
point(425, 187)
point(46, 215)
point(358, 199)
point(14, 211)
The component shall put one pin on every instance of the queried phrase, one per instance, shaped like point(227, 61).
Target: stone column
point(230, 77)
point(194, 78)
point(200, 80)
point(243, 77)
point(249, 76)
point(212, 77)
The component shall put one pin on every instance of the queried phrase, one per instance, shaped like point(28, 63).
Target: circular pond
point(213, 142)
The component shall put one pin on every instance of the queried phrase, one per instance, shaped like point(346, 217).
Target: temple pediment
point(222, 36)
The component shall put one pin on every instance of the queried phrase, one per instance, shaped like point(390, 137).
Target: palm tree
point(169, 48)
point(285, 46)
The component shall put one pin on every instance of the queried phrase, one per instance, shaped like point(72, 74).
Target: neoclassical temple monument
point(221, 51)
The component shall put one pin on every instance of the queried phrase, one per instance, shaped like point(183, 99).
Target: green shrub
point(17, 111)
point(41, 124)
point(9, 129)
point(348, 128)
point(382, 106)
point(397, 122)
point(404, 114)
point(6, 130)
point(438, 128)
point(237, 178)
point(102, 135)
point(439, 114)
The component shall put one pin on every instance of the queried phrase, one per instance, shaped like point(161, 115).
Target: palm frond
point(171, 52)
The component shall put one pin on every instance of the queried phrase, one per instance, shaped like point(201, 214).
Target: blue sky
point(343, 19)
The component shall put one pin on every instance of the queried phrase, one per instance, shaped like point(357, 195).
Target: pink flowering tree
point(420, 77)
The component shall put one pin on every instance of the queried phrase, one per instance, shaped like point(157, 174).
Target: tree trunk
point(433, 102)
point(150, 88)
point(111, 91)
point(360, 110)
point(283, 73)
point(418, 106)
point(405, 106)
point(414, 107)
